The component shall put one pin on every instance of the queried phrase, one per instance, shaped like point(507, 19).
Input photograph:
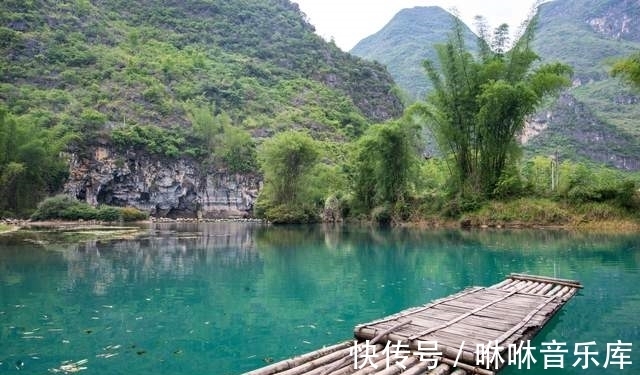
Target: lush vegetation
point(383, 170)
point(67, 208)
point(287, 161)
point(594, 121)
point(203, 79)
point(479, 105)
point(629, 69)
point(477, 109)
point(406, 41)
point(30, 164)
point(246, 87)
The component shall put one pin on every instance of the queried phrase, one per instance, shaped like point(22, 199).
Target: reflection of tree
point(211, 291)
point(173, 253)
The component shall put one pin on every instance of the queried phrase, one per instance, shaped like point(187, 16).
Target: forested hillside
point(201, 79)
point(597, 119)
point(593, 121)
point(406, 41)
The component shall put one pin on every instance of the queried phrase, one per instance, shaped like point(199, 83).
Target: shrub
point(68, 208)
point(133, 214)
point(79, 211)
point(286, 214)
point(52, 207)
point(108, 213)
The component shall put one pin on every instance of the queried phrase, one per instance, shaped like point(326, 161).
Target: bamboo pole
point(442, 369)
point(554, 291)
point(394, 369)
point(296, 361)
point(345, 360)
point(459, 372)
point(537, 289)
point(530, 288)
point(418, 369)
point(544, 279)
point(319, 362)
point(459, 318)
point(518, 285)
point(501, 284)
point(419, 309)
point(466, 367)
point(369, 369)
point(546, 288)
point(335, 368)
point(389, 330)
point(524, 321)
point(568, 294)
point(563, 291)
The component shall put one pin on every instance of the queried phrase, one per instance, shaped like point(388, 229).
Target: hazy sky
point(349, 21)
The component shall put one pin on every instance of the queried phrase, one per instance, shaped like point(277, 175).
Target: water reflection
point(224, 297)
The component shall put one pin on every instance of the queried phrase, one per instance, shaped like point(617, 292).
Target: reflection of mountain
point(208, 292)
point(173, 252)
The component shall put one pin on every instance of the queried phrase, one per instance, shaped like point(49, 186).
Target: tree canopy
point(383, 166)
point(628, 69)
point(286, 161)
point(30, 163)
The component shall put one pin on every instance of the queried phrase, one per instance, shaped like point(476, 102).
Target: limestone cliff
point(162, 187)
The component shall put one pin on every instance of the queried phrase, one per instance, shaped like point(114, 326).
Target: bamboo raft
point(510, 312)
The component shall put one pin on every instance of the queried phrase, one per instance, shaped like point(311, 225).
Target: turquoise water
point(227, 298)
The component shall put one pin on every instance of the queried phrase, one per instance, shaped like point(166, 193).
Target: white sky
point(349, 21)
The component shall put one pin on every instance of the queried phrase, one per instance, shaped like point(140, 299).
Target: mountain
point(595, 120)
point(159, 104)
point(257, 60)
point(406, 41)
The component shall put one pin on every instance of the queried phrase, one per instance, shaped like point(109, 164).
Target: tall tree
point(30, 162)
point(382, 165)
point(628, 69)
point(286, 161)
point(479, 103)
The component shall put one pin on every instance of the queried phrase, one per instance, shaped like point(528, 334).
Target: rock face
point(164, 188)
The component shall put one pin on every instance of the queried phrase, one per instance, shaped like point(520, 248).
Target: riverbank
point(546, 213)
point(8, 228)
point(522, 213)
point(534, 213)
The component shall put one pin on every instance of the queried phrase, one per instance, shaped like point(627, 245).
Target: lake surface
point(225, 298)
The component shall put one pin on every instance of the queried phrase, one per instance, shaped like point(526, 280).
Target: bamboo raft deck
point(510, 312)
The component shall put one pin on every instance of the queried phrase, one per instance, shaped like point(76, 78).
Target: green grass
point(546, 212)
point(5, 227)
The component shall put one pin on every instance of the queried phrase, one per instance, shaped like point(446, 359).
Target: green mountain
point(406, 41)
point(595, 120)
point(160, 104)
point(95, 65)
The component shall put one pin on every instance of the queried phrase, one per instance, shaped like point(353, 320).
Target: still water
point(226, 298)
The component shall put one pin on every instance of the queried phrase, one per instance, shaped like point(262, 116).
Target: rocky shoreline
point(26, 223)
